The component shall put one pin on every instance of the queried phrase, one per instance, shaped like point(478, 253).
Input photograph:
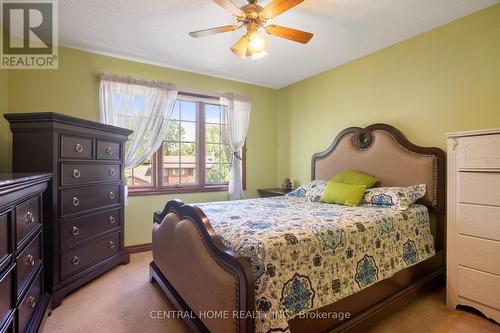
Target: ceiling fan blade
point(230, 7)
point(289, 33)
point(241, 47)
point(213, 31)
point(277, 7)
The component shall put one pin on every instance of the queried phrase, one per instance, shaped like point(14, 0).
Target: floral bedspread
point(306, 255)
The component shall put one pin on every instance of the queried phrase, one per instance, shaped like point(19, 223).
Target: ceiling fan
point(253, 17)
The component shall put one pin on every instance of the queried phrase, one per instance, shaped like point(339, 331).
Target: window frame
point(157, 160)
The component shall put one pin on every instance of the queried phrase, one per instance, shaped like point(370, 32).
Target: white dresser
point(473, 232)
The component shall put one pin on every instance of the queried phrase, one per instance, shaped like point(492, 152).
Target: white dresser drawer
point(479, 151)
point(478, 286)
point(478, 253)
point(479, 221)
point(482, 188)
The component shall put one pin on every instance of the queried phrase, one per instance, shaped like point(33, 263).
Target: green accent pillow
point(355, 178)
point(343, 194)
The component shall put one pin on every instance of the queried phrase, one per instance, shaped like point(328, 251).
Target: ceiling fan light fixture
point(240, 49)
point(257, 43)
point(243, 50)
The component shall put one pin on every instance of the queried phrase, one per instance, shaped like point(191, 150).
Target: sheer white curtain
point(236, 113)
point(139, 105)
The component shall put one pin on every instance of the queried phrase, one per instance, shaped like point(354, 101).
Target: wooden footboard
point(199, 274)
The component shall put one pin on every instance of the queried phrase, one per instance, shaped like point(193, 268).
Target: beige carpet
point(121, 302)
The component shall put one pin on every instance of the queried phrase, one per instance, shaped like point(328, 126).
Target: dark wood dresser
point(85, 217)
point(23, 298)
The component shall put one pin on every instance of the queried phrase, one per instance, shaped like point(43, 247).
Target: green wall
point(444, 80)
point(73, 90)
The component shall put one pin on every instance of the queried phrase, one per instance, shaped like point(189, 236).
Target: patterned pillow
point(310, 190)
point(397, 197)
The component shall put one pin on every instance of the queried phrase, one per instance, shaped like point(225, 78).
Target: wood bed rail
point(189, 259)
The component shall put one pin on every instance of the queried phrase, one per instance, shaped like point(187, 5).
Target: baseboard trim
point(139, 248)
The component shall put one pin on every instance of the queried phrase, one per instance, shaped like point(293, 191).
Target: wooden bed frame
point(197, 272)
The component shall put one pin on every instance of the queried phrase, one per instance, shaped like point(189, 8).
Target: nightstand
point(272, 192)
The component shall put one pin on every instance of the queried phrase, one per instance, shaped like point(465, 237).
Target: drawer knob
point(30, 218)
point(111, 195)
point(111, 220)
point(78, 148)
point(111, 244)
point(31, 302)
point(111, 172)
point(109, 151)
point(75, 261)
point(75, 231)
point(30, 260)
point(76, 201)
point(76, 174)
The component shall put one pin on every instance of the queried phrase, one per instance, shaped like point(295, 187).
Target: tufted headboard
point(383, 151)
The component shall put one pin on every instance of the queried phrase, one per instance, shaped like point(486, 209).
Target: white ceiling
point(156, 31)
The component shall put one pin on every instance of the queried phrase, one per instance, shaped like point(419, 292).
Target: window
point(194, 155)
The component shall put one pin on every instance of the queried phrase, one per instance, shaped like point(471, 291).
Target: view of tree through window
point(218, 153)
point(179, 146)
point(194, 153)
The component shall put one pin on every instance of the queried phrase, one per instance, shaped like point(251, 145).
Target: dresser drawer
point(107, 150)
point(9, 326)
point(479, 221)
point(6, 290)
point(80, 174)
point(5, 239)
point(479, 151)
point(89, 254)
point(482, 188)
point(76, 147)
point(478, 286)
point(478, 253)
point(83, 199)
point(28, 218)
point(83, 228)
point(28, 305)
point(28, 262)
